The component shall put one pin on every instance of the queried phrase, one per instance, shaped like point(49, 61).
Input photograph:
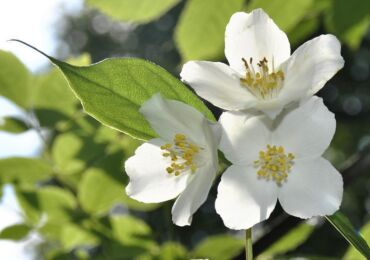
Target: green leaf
point(131, 231)
point(345, 228)
point(221, 247)
point(200, 31)
point(15, 232)
point(74, 236)
point(53, 202)
point(15, 80)
point(25, 171)
point(288, 242)
point(285, 13)
point(112, 91)
point(13, 125)
point(356, 22)
point(352, 253)
point(142, 11)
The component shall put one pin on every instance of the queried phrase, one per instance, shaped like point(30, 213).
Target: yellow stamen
point(181, 153)
point(262, 84)
point(274, 163)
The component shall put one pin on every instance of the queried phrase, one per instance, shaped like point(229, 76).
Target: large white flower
point(262, 74)
point(278, 160)
point(181, 163)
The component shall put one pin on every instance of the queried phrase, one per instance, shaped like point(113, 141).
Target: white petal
point(305, 131)
point(313, 188)
point(310, 67)
point(254, 35)
point(244, 135)
point(170, 117)
point(218, 84)
point(193, 196)
point(243, 200)
point(149, 181)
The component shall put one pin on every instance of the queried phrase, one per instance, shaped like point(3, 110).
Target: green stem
point(248, 244)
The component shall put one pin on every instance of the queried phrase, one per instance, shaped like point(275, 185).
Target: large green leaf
point(344, 226)
point(142, 11)
point(221, 247)
point(25, 171)
point(113, 90)
point(352, 253)
point(15, 80)
point(200, 31)
point(15, 232)
point(285, 13)
point(74, 236)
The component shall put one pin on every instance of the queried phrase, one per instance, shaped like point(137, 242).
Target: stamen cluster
point(181, 153)
point(274, 164)
point(262, 84)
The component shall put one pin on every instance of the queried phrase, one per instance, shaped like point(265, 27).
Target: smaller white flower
point(278, 160)
point(262, 73)
point(181, 163)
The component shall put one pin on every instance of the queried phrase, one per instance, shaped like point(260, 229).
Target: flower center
point(181, 153)
point(274, 164)
point(263, 84)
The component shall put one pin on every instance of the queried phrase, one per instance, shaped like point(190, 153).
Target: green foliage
point(220, 247)
point(14, 79)
point(344, 226)
point(349, 20)
point(288, 242)
point(73, 236)
point(200, 30)
point(15, 232)
point(278, 10)
point(142, 11)
point(13, 125)
point(24, 171)
point(352, 252)
point(112, 91)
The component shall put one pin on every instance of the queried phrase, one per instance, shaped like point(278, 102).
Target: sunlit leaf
point(142, 11)
point(113, 90)
point(24, 171)
point(345, 228)
point(288, 242)
point(222, 247)
point(201, 28)
point(74, 236)
point(15, 232)
point(15, 80)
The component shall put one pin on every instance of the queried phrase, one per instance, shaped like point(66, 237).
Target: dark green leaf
point(13, 125)
point(352, 253)
point(15, 232)
point(142, 11)
point(344, 226)
point(201, 28)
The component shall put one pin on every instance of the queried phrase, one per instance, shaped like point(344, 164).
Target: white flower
point(278, 160)
point(262, 74)
point(181, 163)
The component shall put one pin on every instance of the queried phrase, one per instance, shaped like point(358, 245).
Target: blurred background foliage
point(73, 195)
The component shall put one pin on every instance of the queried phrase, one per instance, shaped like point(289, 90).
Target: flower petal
point(217, 83)
point(305, 131)
point(244, 135)
point(254, 35)
point(193, 196)
point(149, 180)
point(170, 117)
point(310, 67)
point(313, 188)
point(243, 200)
